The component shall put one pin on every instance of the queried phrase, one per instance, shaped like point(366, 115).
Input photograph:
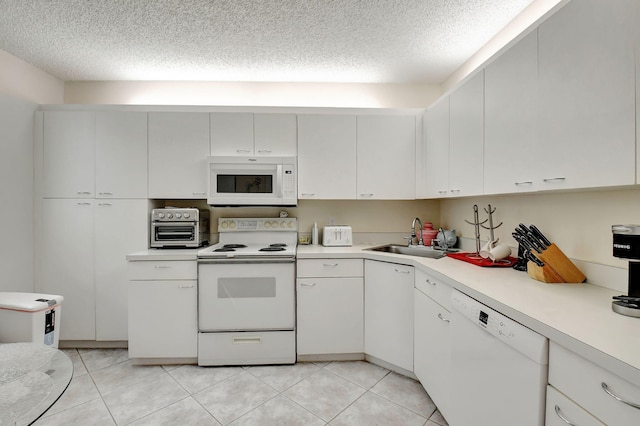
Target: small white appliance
point(252, 181)
point(246, 293)
point(337, 236)
point(30, 317)
point(499, 367)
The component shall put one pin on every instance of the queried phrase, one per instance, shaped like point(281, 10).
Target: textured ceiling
point(390, 41)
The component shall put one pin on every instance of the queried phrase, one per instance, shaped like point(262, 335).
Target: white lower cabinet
point(163, 319)
point(561, 411)
point(388, 313)
point(432, 339)
point(608, 397)
point(330, 307)
point(82, 253)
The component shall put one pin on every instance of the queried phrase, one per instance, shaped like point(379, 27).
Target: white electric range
point(246, 293)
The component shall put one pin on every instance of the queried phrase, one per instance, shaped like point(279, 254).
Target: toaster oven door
point(174, 234)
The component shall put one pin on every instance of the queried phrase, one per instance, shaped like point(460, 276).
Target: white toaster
point(338, 235)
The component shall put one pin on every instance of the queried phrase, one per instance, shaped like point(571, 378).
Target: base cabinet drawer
point(246, 347)
point(330, 268)
point(163, 270)
point(561, 411)
point(605, 395)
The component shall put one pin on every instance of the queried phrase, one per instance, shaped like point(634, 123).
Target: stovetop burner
point(278, 245)
point(225, 249)
point(272, 248)
point(234, 246)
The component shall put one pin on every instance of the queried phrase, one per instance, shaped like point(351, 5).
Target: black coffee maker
point(626, 245)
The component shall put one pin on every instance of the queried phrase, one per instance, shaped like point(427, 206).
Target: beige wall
point(579, 223)
point(22, 80)
point(251, 94)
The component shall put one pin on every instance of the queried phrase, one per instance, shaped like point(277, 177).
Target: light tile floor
point(107, 389)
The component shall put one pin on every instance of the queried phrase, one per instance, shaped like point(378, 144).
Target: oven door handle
point(204, 261)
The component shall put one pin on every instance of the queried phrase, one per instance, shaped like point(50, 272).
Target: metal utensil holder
point(490, 212)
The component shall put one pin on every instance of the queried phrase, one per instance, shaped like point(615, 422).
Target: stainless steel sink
point(422, 251)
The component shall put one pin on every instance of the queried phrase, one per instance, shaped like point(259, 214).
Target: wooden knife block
point(557, 268)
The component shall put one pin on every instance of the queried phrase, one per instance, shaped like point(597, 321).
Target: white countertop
point(577, 316)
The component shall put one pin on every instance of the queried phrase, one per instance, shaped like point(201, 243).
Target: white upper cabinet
point(121, 154)
point(466, 138)
point(587, 95)
point(253, 134)
point(68, 154)
point(178, 151)
point(511, 152)
point(275, 134)
point(327, 157)
point(386, 157)
point(436, 150)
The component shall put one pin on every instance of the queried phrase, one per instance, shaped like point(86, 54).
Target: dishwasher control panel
point(504, 328)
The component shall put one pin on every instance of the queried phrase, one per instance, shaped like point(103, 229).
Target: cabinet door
point(120, 228)
point(275, 134)
point(511, 156)
point(587, 95)
point(388, 312)
point(342, 331)
point(432, 353)
point(178, 151)
point(561, 411)
point(466, 138)
point(163, 319)
point(67, 264)
point(386, 152)
point(232, 133)
point(436, 150)
point(327, 157)
point(121, 154)
point(68, 154)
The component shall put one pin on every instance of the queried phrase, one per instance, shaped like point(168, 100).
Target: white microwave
point(252, 181)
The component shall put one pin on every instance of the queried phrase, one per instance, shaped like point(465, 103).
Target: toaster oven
point(179, 227)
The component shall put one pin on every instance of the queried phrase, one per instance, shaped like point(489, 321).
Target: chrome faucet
point(413, 232)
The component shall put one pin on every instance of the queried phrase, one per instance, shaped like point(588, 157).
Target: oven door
point(246, 296)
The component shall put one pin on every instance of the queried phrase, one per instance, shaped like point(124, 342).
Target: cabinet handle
point(329, 265)
point(442, 191)
point(104, 204)
point(245, 340)
point(83, 204)
point(441, 318)
point(266, 151)
point(430, 282)
point(523, 182)
point(563, 418)
point(242, 150)
point(307, 194)
point(558, 178)
point(105, 193)
point(401, 271)
point(84, 193)
point(366, 195)
point(199, 193)
point(308, 284)
point(185, 286)
point(162, 267)
point(455, 190)
point(614, 396)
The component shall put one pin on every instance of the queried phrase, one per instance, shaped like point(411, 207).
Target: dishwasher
point(499, 368)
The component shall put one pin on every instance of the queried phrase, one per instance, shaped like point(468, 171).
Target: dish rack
point(557, 267)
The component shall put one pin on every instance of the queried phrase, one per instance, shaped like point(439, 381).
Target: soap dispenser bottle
point(314, 234)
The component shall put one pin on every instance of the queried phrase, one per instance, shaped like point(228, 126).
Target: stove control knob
point(224, 224)
point(290, 224)
point(178, 215)
point(169, 215)
point(186, 215)
point(267, 224)
point(161, 215)
point(232, 225)
point(274, 224)
point(283, 224)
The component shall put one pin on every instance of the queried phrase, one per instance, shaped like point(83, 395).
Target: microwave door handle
point(279, 181)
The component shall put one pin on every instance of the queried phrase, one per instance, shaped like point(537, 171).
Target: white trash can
point(30, 317)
